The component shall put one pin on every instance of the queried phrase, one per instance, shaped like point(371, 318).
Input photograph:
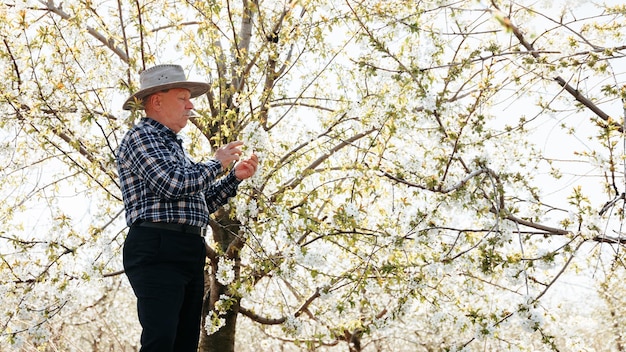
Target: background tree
point(410, 155)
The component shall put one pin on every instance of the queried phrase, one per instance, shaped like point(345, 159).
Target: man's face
point(174, 108)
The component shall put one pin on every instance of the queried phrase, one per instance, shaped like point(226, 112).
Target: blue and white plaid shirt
point(161, 184)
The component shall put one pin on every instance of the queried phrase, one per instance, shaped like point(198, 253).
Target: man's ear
point(154, 102)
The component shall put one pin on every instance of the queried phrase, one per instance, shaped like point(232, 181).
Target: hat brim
point(135, 101)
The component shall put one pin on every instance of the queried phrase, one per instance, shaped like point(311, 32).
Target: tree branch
point(562, 82)
point(275, 321)
point(109, 43)
point(295, 181)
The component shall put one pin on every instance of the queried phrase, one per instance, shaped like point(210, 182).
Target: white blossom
point(213, 323)
point(225, 271)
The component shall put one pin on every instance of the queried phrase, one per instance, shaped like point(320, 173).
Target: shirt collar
point(160, 127)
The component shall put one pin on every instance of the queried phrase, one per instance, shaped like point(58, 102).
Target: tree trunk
point(222, 340)
point(225, 233)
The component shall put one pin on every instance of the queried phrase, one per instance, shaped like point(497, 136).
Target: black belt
point(183, 228)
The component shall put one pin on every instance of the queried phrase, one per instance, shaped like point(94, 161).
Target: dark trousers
point(166, 271)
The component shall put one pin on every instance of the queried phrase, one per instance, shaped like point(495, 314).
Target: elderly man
point(168, 199)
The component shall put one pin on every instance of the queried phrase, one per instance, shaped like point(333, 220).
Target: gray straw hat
point(162, 77)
